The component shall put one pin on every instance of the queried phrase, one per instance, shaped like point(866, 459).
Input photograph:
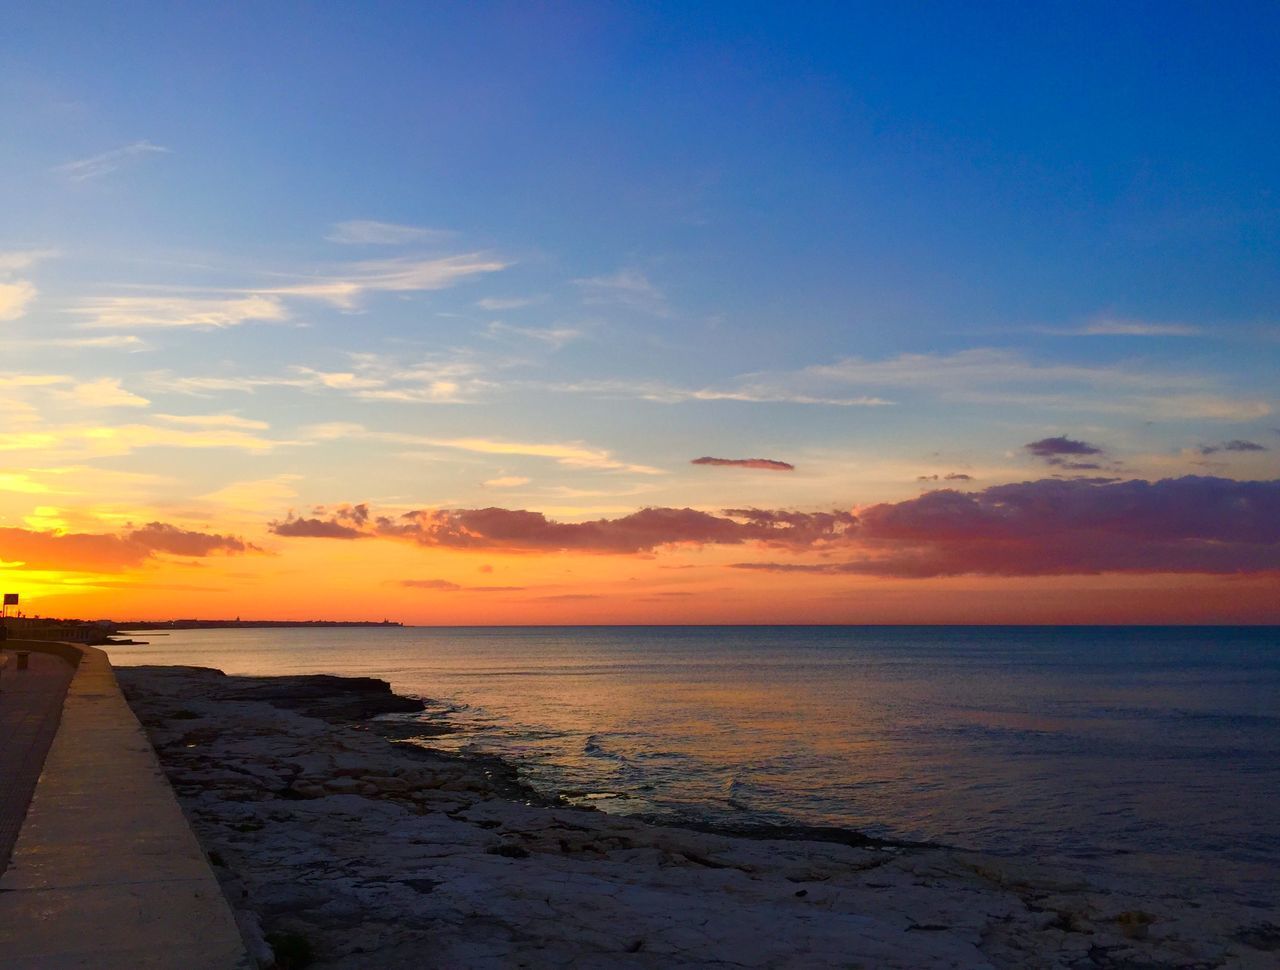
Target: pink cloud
point(1056, 527)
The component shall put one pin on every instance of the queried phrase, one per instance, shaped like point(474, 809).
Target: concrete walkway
point(106, 873)
point(30, 707)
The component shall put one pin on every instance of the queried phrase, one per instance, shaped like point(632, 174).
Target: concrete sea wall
point(106, 872)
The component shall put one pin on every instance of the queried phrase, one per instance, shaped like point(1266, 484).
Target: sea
point(1135, 752)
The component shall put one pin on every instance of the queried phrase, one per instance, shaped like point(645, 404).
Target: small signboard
point(10, 599)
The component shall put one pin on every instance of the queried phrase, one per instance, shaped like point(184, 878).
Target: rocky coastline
point(343, 840)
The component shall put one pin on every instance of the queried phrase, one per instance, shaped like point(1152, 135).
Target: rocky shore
point(344, 841)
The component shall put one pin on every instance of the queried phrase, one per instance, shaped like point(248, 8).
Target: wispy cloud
point(345, 289)
point(15, 297)
point(256, 495)
point(77, 441)
point(496, 303)
point(1121, 327)
point(107, 393)
point(446, 379)
point(574, 455)
point(662, 393)
point(446, 586)
point(214, 308)
point(213, 421)
point(571, 454)
point(627, 288)
point(96, 166)
point(112, 342)
point(166, 312)
point(369, 232)
point(506, 481)
point(554, 337)
point(18, 294)
point(16, 260)
point(992, 377)
point(1237, 445)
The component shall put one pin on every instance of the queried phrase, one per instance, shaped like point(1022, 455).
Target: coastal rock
point(390, 855)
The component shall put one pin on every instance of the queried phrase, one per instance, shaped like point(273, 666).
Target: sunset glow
point(559, 316)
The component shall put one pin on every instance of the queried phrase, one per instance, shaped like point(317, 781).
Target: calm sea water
point(1099, 744)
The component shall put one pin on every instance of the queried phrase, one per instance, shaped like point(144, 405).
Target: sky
point(641, 313)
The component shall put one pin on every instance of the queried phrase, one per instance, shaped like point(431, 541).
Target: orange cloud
point(110, 552)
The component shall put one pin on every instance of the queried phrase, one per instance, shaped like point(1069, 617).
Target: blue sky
point(400, 252)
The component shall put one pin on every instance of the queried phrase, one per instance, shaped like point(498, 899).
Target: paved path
point(30, 707)
point(106, 873)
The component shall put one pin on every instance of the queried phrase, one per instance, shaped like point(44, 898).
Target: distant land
point(239, 624)
point(100, 632)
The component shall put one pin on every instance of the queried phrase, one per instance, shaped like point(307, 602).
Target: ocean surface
point(1135, 750)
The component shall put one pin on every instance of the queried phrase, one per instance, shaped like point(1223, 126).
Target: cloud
point(519, 530)
point(162, 537)
point(1054, 527)
point(21, 482)
point(1234, 445)
point(101, 440)
point(389, 275)
point(255, 495)
point(16, 260)
point(508, 302)
point(107, 393)
point(302, 528)
point(506, 481)
point(107, 162)
point(112, 342)
point(627, 288)
point(949, 477)
point(1059, 452)
point(554, 337)
point(571, 454)
point(341, 522)
point(982, 376)
point(439, 380)
point(367, 232)
point(444, 586)
point(764, 464)
point(213, 421)
point(1119, 327)
point(751, 394)
point(109, 552)
point(574, 455)
point(168, 312)
point(15, 298)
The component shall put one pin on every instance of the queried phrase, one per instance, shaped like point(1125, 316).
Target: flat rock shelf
point(333, 840)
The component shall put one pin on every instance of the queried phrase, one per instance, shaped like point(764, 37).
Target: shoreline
point(325, 826)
